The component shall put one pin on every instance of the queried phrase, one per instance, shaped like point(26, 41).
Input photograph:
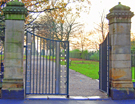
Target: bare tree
point(59, 30)
point(82, 41)
point(102, 28)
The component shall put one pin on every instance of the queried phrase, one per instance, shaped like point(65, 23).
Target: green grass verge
point(88, 68)
point(24, 56)
point(48, 57)
point(133, 74)
point(1, 56)
point(91, 68)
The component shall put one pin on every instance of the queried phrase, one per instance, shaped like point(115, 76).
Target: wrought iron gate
point(47, 66)
point(104, 66)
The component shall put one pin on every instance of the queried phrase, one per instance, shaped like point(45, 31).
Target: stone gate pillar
point(121, 86)
point(12, 87)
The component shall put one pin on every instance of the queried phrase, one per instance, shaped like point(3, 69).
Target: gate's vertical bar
point(30, 64)
point(29, 46)
point(46, 65)
point(34, 65)
point(32, 61)
point(40, 69)
point(37, 68)
point(67, 69)
point(26, 67)
point(55, 64)
point(43, 65)
point(60, 69)
point(52, 64)
point(49, 62)
point(57, 67)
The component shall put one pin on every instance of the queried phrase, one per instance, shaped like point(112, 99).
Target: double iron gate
point(47, 66)
point(104, 65)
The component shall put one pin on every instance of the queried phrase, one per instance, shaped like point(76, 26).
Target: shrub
point(95, 56)
point(75, 51)
point(84, 54)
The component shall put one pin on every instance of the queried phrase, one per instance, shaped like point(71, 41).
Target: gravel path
point(81, 85)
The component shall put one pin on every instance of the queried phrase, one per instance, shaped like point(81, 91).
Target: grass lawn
point(91, 68)
point(51, 57)
point(2, 58)
point(88, 68)
point(133, 74)
point(24, 56)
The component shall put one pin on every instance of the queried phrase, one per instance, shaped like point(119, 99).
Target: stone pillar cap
point(120, 7)
point(120, 11)
point(15, 10)
point(15, 7)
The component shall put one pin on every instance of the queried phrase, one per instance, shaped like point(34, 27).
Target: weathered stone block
point(14, 47)
point(12, 83)
point(121, 49)
point(13, 72)
point(120, 57)
point(14, 37)
point(13, 62)
point(14, 25)
point(120, 40)
point(120, 74)
point(121, 64)
point(10, 55)
point(122, 28)
point(118, 85)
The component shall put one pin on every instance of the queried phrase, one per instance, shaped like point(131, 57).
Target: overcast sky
point(97, 7)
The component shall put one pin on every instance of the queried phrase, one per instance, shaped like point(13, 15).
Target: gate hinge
point(109, 47)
